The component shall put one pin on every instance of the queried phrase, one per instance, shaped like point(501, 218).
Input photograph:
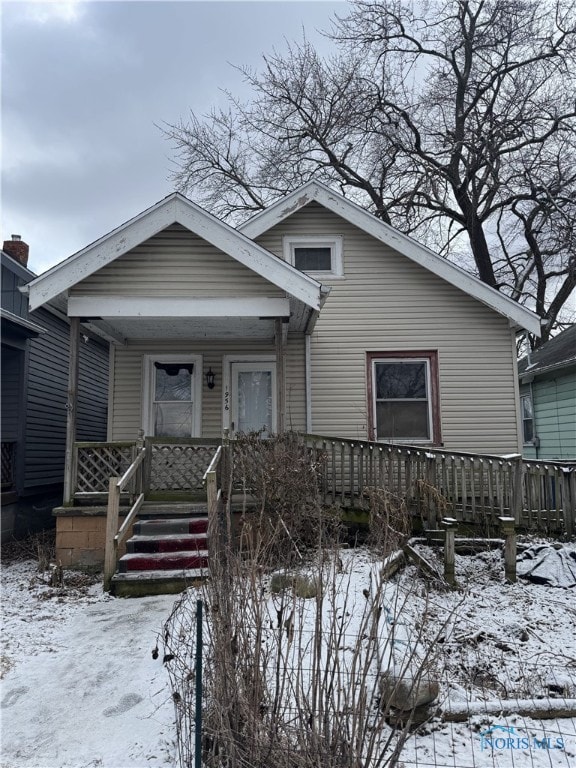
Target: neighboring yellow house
point(313, 316)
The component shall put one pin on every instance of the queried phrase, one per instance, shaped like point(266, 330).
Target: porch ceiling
point(180, 318)
point(187, 328)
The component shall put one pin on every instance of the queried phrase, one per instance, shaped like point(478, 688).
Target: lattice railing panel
point(98, 463)
point(8, 463)
point(179, 467)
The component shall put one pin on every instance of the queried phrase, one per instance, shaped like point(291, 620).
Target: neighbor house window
point(318, 255)
point(527, 412)
point(403, 397)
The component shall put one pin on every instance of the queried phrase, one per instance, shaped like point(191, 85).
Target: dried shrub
point(390, 521)
point(300, 683)
point(432, 503)
point(282, 478)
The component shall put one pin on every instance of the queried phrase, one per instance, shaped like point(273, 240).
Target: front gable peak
point(173, 209)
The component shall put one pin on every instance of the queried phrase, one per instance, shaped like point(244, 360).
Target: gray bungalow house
point(548, 399)
point(313, 316)
point(35, 363)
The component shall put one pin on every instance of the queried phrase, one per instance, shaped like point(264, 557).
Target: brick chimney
point(18, 249)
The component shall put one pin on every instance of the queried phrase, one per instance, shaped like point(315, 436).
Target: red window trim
point(432, 356)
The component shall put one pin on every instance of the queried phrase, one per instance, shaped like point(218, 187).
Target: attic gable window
point(317, 255)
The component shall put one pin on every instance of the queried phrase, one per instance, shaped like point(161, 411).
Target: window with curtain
point(173, 399)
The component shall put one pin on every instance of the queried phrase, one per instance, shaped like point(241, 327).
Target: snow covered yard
point(499, 642)
point(80, 688)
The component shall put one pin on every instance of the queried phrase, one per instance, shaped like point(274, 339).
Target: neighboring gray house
point(314, 315)
point(548, 398)
point(34, 395)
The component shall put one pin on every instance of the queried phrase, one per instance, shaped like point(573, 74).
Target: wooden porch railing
point(479, 488)
point(94, 463)
point(115, 536)
point(171, 464)
point(178, 464)
point(218, 481)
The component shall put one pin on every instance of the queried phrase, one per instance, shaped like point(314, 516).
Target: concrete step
point(171, 542)
point(163, 561)
point(170, 582)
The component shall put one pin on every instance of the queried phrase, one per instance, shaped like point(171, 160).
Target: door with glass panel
point(173, 399)
point(253, 397)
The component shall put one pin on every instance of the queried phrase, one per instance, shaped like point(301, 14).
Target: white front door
point(253, 397)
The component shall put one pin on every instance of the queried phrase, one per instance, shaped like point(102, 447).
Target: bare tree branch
point(453, 120)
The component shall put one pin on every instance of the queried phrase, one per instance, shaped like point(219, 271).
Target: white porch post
point(280, 372)
point(71, 408)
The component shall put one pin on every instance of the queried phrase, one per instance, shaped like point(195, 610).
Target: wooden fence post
point(569, 499)
point(509, 531)
point(111, 531)
point(449, 524)
point(517, 506)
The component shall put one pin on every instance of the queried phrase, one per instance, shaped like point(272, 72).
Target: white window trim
point(527, 395)
point(148, 389)
point(334, 242)
point(399, 438)
point(227, 361)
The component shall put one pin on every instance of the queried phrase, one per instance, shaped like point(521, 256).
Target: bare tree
point(453, 121)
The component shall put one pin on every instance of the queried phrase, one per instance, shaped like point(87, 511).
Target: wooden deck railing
point(115, 536)
point(540, 495)
point(473, 488)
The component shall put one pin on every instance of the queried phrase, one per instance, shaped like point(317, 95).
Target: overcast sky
point(84, 85)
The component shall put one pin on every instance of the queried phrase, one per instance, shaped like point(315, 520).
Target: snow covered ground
point(80, 688)
point(499, 642)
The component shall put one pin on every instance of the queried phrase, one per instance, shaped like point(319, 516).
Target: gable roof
point(559, 352)
point(173, 209)
point(314, 191)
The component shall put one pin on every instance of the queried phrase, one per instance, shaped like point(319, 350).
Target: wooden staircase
point(167, 553)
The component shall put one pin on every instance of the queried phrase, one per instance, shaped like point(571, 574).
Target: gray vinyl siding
point(176, 262)
point(554, 401)
point(127, 386)
point(11, 387)
point(386, 302)
point(47, 385)
point(92, 389)
point(12, 300)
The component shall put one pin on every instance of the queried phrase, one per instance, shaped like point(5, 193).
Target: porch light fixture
point(210, 379)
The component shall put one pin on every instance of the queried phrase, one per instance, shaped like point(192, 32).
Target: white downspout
point(308, 382)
